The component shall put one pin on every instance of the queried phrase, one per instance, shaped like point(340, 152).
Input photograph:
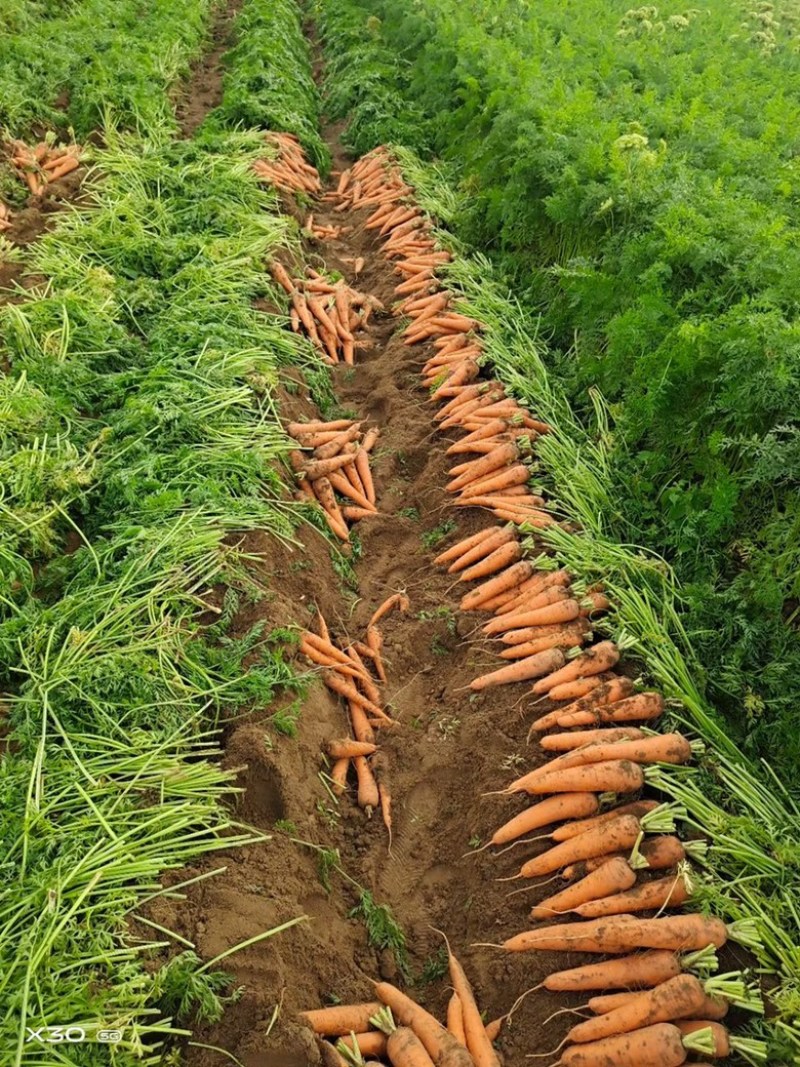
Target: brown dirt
point(203, 89)
point(450, 748)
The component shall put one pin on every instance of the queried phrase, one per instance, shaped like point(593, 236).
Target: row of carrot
point(545, 625)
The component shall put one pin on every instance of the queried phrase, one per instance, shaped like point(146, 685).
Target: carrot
point(324, 493)
point(497, 537)
point(668, 892)
point(554, 614)
point(660, 1045)
point(563, 638)
point(509, 578)
point(340, 1020)
point(660, 748)
point(295, 428)
point(322, 645)
point(614, 876)
point(398, 600)
point(362, 466)
point(380, 769)
point(375, 641)
point(477, 469)
point(676, 998)
point(354, 514)
point(516, 475)
point(601, 657)
point(441, 1046)
point(569, 741)
point(345, 748)
point(613, 836)
point(521, 671)
point(347, 690)
point(610, 776)
point(722, 1044)
point(321, 468)
point(403, 1047)
point(640, 708)
point(339, 775)
point(370, 1043)
point(642, 970)
point(496, 561)
point(615, 688)
point(368, 794)
point(335, 444)
point(478, 1044)
point(546, 812)
point(343, 486)
point(581, 687)
point(659, 853)
point(455, 1019)
point(539, 583)
point(639, 808)
point(676, 933)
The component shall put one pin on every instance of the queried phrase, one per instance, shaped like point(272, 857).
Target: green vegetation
point(75, 64)
point(138, 428)
point(632, 173)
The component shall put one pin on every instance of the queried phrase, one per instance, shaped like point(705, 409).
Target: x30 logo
point(55, 1035)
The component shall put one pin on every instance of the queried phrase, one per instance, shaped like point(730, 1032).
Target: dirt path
point(452, 746)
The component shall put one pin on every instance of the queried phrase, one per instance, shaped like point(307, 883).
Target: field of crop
point(398, 549)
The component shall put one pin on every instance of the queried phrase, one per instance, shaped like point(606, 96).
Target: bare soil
point(203, 89)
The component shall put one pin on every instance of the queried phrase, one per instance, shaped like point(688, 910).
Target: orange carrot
point(362, 466)
point(368, 794)
point(516, 475)
point(643, 970)
point(398, 600)
point(610, 776)
point(360, 723)
point(719, 1033)
point(456, 551)
point(639, 808)
point(564, 638)
point(341, 1019)
point(613, 836)
point(660, 1045)
point(345, 748)
point(615, 876)
point(509, 578)
point(521, 671)
point(595, 660)
point(455, 1019)
point(669, 892)
point(657, 853)
point(339, 775)
point(554, 614)
point(546, 812)
point(375, 642)
point(324, 493)
point(370, 1043)
point(676, 998)
point(349, 692)
point(581, 687)
point(676, 933)
point(477, 469)
point(440, 1045)
point(498, 536)
point(616, 688)
point(569, 741)
point(659, 748)
point(496, 561)
point(478, 1044)
point(640, 708)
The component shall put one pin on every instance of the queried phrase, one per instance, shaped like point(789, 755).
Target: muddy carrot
point(521, 671)
point(370, 1043)
point(321, 468)
point(659, 748)
point(339, 775)
point(345, 748)
point(349, 692)
point(622, 933)
point(545, 813)
point(613, 836)
point(440, 1045)
point(640, 971)
point(375, 642)
point(362, 465)
point(497, 560)
point(455, 1019)
point(398, 600)
point(639, 808)
point(670, 892)
point(640, 708)
point(324, 493)
point(509, 578)
point(564, 638)
point(566, 742)
point(660, 1045)
point(616, 688)
point(368, 794)
point(456, 551)
point(610, 776)
point(477, 1042)
point(612, 877)
point(360, 723)
point(340, 1020)
point(595, 660)
point(579, 688)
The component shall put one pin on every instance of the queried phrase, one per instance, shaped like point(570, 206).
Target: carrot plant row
point(602, 849)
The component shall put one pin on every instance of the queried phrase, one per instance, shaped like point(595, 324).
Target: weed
point(285, 826)
point(447, 726)
point(409, 513)
point(432, 537)
point(186, 992)
point(434, 968)
point(328, 859)
point(383, 930)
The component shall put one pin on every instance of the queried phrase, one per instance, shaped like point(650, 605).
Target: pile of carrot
point(334, 467)
point(353, 671)
point(324, 233)
point(43, 163)
point(5, 217)
point(393, 1028)
point(628, 872)
point(329, 313)
point(290, 170)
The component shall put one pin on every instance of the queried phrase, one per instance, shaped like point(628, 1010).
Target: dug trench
point(450, 746)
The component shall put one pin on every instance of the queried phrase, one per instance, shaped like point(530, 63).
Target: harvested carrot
point(639, 808)
point(398, 600)
point(668, 892)
point(577, 738)
point(370, 1043)
point(612, 877)
point(601, 657)
point(375, 642)
point(440, 1045)
point(403, 1046)
point(640, 708)
point(341, 1019)
point(368, 793)
point(497, 560)
point(510, 578)
point(616, 688)
point(611, 776)
point(521, 671)
point(678, 998)
point(455, 1019)
point(565, 638)
point(494, 537)
point(478, 1044)
point(642, 970)
point(581, 687)
point(676, 933)
point(661, 1045)
point(614, 836)
point(552, 614)
point(347, 690)
point(722, 1043)
point(659, 748)
point(659, 853)
point(545, 813)
point(345, 748)
point(339, 775)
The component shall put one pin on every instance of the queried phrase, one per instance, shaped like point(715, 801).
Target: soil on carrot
point(203, 89)
point(450, 747)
